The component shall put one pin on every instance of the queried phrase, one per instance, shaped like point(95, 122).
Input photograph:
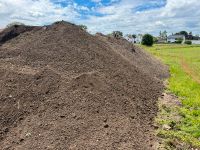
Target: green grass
point(184, 64)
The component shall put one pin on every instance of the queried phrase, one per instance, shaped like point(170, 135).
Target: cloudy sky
point(129, 16)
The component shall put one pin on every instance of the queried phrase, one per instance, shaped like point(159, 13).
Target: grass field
point(184, 64)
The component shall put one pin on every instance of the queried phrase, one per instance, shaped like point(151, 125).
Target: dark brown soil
point(14, 31)
point(62, 88)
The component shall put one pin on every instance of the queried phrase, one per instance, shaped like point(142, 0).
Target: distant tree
point(160, 34)
point(184, 33)
point(134, 37)
point(147, 40)
point(84, 27)
point(117, 34)
point(13, 24)
point(190, 33)
point(163, 35)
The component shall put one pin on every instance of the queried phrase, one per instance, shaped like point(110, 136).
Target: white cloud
point(35, 12)
point(174, 16)
point(96, 1)
point(119, 15)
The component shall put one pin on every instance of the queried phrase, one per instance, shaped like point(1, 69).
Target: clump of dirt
point(62, 88)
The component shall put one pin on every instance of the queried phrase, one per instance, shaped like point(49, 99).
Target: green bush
point(179, 41)
point(147, 40)
point(188, 42)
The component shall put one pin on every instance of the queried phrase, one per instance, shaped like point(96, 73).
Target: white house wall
point(195, 41)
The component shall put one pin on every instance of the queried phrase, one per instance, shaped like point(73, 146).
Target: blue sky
point(129, 16)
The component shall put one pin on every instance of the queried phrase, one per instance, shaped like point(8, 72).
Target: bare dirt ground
point(62, 88)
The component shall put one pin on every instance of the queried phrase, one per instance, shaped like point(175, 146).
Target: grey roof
point(175, 36)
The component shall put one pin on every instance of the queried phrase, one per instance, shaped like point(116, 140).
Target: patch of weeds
point(181, 136)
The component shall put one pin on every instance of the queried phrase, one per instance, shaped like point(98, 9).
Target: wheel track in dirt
point(185, 66)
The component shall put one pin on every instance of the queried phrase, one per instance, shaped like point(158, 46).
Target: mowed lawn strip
point(184, 63)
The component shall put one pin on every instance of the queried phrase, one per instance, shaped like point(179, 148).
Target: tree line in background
point(188, 35)
point(182, 37)
point(146, 39)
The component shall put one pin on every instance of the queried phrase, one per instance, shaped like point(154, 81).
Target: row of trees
point(147, 39)
point(188, 35)
point(162, 36)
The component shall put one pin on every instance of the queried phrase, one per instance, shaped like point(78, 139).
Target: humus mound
point(14, 31)
point(62, 88)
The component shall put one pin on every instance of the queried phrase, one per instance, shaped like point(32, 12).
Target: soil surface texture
point(64, 89)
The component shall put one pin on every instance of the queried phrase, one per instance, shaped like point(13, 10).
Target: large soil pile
point(62, 88)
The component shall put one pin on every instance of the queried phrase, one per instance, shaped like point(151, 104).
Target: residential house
point(175, 38)
point(139, 38)
point(196, 42)
point(161, 40)
point(192, 37)
point(130, 39)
